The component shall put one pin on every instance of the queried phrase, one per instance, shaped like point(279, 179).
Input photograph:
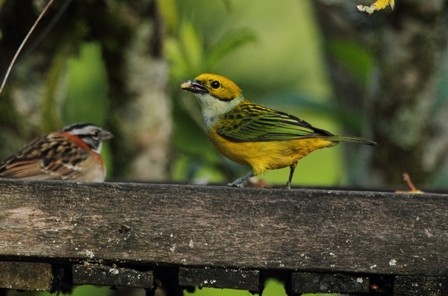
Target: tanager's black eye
point(215, 84)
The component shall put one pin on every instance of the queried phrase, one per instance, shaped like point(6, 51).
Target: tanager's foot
point(240, 182)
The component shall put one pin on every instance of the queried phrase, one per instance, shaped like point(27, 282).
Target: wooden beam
point(26, 276)
point(310, 282)
point(212, 226)
point(418, 285)
point(101, 275)
point(220, 278)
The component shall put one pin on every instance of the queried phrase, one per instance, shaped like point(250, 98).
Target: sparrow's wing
point(253, 122)
point(51, 157)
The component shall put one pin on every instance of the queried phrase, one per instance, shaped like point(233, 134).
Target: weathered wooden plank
point(26, 276)
point(220, 278)
point(305, 230)
point(101, 275)
point(420, 285)
point(310, 282)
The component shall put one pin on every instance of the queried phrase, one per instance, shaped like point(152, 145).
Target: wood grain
point(101, 275)
point(212, 226)
point(220, 277)
point(418, 286)
point(308, 282)
point(26, 276)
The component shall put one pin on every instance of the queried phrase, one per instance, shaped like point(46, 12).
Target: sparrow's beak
point(194, 87)
point(105, 135)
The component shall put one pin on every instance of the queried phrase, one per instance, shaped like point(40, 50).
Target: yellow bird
point(254, 135)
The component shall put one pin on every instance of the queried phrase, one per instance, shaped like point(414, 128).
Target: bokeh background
point(119, 64)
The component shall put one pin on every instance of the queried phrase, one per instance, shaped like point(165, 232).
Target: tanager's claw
point(240, 182)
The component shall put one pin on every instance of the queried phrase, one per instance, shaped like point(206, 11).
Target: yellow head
point(217, 95)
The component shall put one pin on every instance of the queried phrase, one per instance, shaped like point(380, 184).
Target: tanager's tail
point(353, 140)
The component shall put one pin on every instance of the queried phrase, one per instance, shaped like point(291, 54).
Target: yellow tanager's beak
point(194, 87)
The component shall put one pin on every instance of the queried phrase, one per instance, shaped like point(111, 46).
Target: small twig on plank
point(411, 185)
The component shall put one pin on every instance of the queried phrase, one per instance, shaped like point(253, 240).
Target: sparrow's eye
point(96, 135)
point(215, 84)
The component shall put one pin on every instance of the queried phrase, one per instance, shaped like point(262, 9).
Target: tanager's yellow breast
point(267, 155)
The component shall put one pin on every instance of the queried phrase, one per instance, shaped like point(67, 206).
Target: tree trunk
point(129, 35)
point(392, 79)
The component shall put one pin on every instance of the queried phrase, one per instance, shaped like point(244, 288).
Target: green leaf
point(176, 58)
point(170, 13)
point(227, 44)
point(50, 110)
point(192, 46)
point(357, 59)
point(87, 99)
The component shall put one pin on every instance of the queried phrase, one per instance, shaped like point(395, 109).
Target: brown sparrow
point(72, 153)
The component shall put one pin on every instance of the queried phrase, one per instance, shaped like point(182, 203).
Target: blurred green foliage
point(189, 53)
point(273, 53)
point(272, 288)
point(85, 97)
point(438, 179)
point(79, 290)
point(354, 57)
point(87, 87)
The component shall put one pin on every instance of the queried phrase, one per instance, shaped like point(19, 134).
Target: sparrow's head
point(217, 95)
point(91, 134)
